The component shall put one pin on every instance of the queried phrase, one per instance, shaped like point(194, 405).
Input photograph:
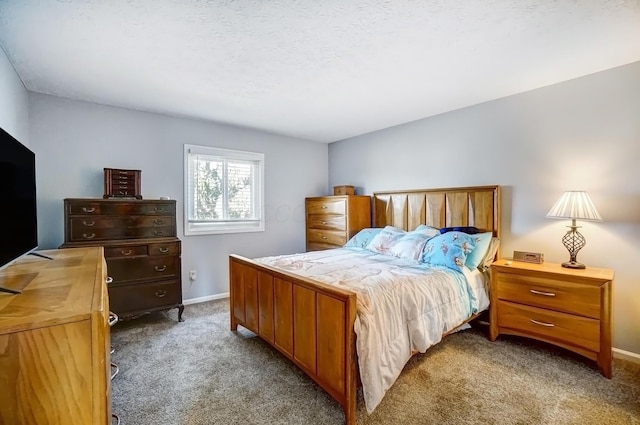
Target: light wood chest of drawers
point(141, 248)
point(332, 220)
point(570, 308)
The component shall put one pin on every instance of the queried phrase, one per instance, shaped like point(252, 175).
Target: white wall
point(14, 116)
point(74, 141)
point(583, 134)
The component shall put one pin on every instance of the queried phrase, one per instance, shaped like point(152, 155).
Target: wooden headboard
point(477, 206)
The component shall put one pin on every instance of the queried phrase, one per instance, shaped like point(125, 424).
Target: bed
point(299, 304)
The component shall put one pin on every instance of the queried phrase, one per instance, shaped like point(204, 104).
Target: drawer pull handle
point(116, 370)
point(88, 209)
point(88, 223)
point(324, 222)
point(161, 293)
point(88, 235)
point(160, 268)
point(109, 280)
point(158, 222)
point(128, 252)
point(324, 237)
point(163, 250)
point(549, 325)
point(158, 233)
point(158, 209)
point(546, 294)
point(324, 207)
point(113, 318)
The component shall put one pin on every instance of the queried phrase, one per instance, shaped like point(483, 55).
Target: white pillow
point(384, 241)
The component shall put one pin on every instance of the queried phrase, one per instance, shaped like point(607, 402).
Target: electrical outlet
point(192, 275)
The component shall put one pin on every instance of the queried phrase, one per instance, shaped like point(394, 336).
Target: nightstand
point(570, 308)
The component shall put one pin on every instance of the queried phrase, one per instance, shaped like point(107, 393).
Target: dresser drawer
point(165, 248)
point(82, 233)
point(326, 206)
point(129, 270)
point(126, 299)
point(562, 296)
point(331, 237)
point(126, 251)
point(559, 327)
point(120, 208)
point(107, 222)
point(327, 222)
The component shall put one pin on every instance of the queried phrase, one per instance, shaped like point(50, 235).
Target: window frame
point(228, 226)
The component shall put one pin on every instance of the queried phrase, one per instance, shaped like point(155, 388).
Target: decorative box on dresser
point(54, 340)
point(332, 220)
point(141, 248)
point(570, 308)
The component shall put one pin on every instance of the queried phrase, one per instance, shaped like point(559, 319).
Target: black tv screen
point(19, 234)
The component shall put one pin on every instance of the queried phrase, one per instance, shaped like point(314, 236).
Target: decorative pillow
point(385, 240)
point(449, 249)
point(491, 253)
point(427, 230)
point(466, 229)
point(410, 245)
point(363, 237)
point(482, 241)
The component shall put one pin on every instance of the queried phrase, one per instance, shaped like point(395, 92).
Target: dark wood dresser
point(141, 249)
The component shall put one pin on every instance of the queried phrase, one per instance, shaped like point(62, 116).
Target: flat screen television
point(19, 234)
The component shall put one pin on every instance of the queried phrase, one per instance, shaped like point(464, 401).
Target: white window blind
point(223, 190)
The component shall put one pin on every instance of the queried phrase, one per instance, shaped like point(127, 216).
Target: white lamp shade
point(575, 204)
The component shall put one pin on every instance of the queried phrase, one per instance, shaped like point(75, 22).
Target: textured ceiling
point(319, 70)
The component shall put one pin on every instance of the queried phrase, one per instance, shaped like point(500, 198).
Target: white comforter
point(402, 306)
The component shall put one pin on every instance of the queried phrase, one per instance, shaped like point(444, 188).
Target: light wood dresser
point(570, 308)
point(54, 340)
point(332, 220)
point(141, 247)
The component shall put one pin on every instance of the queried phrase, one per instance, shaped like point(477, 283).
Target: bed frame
point(310, 322)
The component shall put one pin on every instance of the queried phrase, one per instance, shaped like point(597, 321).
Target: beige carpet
point(199, 372)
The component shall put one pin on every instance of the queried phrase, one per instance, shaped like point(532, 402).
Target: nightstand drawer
point(327, 222)
point(560, 327)
point(564, 296)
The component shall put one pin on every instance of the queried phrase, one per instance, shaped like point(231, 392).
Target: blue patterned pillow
point(363, 237)
point(448, 249)
point(482, 241)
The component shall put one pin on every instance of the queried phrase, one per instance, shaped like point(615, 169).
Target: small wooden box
point(344, 190)
point(122, 183)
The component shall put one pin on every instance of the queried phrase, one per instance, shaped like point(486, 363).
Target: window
point(224, 191)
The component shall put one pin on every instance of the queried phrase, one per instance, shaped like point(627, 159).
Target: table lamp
point(574, 205)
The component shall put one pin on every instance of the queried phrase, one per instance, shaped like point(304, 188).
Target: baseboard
point(205, 299)
point(626, 355)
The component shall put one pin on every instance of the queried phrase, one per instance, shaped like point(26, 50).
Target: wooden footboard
point(309, 322)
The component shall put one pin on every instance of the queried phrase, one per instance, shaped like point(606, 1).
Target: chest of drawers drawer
point(119, 208)
point(326, 206)
point(327, 222)
point(144, 296)
point(135, 269)
point(85, 228)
